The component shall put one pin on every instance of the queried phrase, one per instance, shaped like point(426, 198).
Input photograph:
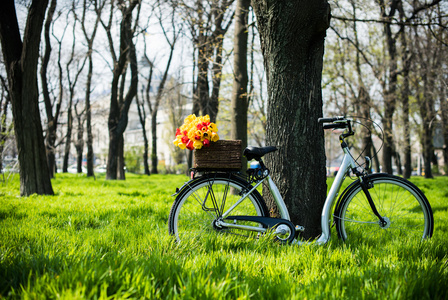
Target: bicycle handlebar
point(335, 126)
point(339, 122)
point(331, 120)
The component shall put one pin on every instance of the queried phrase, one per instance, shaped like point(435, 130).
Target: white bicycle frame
point(347, 164)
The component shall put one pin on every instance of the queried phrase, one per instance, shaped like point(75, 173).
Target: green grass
point(109, 239)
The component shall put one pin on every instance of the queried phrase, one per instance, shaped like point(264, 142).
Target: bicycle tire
point(201, 201)
point(405, 207)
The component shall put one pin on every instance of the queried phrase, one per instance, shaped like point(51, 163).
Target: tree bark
point(239, 100)
point(79, 143)
point(142, 116)
point(90, 153)
point(21, 60)
point(292, 37)
point(390, 85)
point(52, 120)
point(98, 8)
point(118, 113)
point(68, 136)
point(444, 113)
point(5, 129)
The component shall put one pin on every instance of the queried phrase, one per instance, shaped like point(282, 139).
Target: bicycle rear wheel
point(203, 201)
point(404, 207)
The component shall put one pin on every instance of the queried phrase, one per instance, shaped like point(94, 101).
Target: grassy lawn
point(109, 239)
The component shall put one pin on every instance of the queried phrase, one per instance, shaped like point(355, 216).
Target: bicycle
point(374, 207)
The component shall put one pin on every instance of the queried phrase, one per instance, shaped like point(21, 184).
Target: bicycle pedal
point(300, 228)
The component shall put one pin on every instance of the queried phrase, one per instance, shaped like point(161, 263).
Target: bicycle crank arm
point(282, 227)
point(237, 226)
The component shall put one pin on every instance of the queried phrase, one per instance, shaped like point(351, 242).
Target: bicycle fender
point(185, 185)
point(199, 178)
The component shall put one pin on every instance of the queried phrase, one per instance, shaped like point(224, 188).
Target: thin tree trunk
point(118, 113)
point(98, 8)
point(51, 120)
point(154, 159)
point(239, 101)
point(68, 136)
point(142, 116)
point(389, 86)
point(5, 129)
point(79, 144)
point(88, 111)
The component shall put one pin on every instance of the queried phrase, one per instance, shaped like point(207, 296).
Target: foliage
point(108, 239)
point(133, 159)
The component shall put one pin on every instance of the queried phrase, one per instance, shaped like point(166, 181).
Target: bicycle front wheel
point(404, 207)
point(201, 203)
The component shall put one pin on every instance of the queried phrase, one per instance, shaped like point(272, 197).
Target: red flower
point(178, 132)
point(206, 143)
point(197, 137)
point(185, 139)
point(190, 145)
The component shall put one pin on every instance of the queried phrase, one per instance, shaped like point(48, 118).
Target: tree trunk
point(154, 159)
point(121, 166)
point(292, 37)
point(79, 145)
point(51, 120)
point(390, 85)
point(90, 153)
point(427, 113)
point(406, 125)
point(405, 93)
point(21, 66)
point(68, 136)
point(118, 113)
point(444, 113)
point(239, 94)
point(142, 116)
point(5, 129)
point(388, 141)
point(366, 131)
point(98, 9)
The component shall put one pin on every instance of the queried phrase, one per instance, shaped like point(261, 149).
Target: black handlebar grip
point(330, 120)
point(335, 126)
point(325, 120)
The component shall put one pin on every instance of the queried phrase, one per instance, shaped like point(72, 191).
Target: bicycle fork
point(366, 185)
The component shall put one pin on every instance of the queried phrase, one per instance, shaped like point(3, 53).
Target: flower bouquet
point(196, 132)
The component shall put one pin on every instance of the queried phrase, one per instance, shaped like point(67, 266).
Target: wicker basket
point(221, 155)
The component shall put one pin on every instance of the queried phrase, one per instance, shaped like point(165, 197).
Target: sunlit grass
point(109, 239)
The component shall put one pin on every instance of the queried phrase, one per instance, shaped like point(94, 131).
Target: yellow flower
point(214, 137)
point(213, 127)
point(199, 133)
point(205, 118)
point(197, 144)
point(206, 135)
point(195, 131)
point(190, 119)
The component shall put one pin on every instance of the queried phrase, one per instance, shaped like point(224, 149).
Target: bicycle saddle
point(257, 152)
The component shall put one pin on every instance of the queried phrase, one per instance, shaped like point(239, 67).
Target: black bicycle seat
point(257, 152)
